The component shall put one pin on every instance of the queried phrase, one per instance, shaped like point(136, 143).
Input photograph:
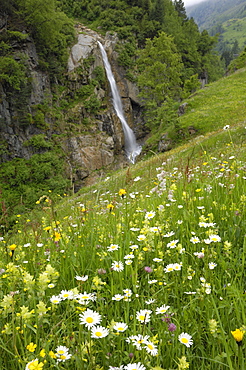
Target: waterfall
point(132, 148)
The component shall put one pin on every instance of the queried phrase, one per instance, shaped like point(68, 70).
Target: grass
point(235, 30)
point(154, 255)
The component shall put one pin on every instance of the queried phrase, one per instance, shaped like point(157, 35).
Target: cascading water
point(132, 148)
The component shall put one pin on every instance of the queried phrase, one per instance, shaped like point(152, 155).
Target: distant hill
point(225, 18)
point(211, 12)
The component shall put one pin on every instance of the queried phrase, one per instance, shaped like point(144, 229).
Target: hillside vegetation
point(227, 20)
point(144, 270)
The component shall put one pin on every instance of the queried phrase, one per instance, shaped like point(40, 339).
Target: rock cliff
point(78, 113)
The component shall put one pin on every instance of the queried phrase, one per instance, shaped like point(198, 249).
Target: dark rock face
point(89, 148)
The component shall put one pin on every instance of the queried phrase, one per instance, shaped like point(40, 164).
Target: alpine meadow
point(143, 266)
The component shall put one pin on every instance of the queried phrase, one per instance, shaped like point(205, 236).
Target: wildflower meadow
point(143, 271)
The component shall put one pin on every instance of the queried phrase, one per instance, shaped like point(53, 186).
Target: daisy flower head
point(143, 316)
point(66, 294)
point(135, 366)
point(185, 339)
point(55, 299)
point(195, 240)
point(215, 238)
point(113, 247)
point(120, 327)
point(169, 268)
point(99, 332)
point(155, 229)
point(85, 298)
point(61, 350)
point(151, 348)
point(89, 318)
point(167, 235)
point(133, 247)
point(172, 244)
point(162, 309)
point(150, 215)
point(212, 265)
point(150, 301)
point(141, 237)
point(117, 297)
point(64, 357)
point(138, 340)
point(81, 278)
point(117, 266)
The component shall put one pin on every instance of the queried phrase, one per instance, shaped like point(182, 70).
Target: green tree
point(180, 8)
point(160, 69)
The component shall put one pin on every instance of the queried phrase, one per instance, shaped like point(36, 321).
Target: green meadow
point(144, 270)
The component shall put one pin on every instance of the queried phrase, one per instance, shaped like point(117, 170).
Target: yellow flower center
point(184, 340)
point(98, 333)
point(89, 320)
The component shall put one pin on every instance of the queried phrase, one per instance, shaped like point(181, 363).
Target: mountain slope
point(211, 12)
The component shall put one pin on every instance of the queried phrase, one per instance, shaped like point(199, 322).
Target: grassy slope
point(204, 180)
point(235, 29)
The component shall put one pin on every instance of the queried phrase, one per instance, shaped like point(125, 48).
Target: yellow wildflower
point(31, 347)
point(238, 335)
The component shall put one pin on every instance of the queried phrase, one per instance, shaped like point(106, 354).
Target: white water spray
point(132, 148)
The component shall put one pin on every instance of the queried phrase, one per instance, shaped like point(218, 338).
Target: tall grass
point(164, 257)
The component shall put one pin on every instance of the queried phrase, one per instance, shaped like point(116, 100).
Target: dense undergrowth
point(144, 270)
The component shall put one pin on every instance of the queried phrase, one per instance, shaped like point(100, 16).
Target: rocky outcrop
point(93, 141)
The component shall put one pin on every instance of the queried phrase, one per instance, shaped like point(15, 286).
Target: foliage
point(51, 29)
point(159, 78)
point(238, 63)
point(12, 73)
point(160, 265)
point(24, 180)
point(39, 142)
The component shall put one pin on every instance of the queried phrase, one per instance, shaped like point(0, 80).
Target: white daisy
point(120, 326)
point(150, 215)
point(99, 332)
point(195, 240)
point(117, 297)
point(143, 315)
point(212, 265)
point(151, 348)
point(133, 247)
point(185, 339)
point(141, 237)
point(113, 247)
point(162, 309)
point(55, 299)
point(117, 266)
point(135, 366)
point(89, 318)
point(81, 278)
point(66, 294)
point(61, 350)
point(172, 244)
point(169, 267)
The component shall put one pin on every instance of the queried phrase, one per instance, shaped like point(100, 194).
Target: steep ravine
point(82, 123)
